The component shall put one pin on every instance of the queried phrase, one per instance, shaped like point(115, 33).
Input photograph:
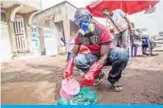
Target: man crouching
point(98, 40)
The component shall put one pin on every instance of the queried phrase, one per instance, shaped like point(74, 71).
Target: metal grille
point(20, 35)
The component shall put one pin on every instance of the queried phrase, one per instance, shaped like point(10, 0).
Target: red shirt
point(104, 36)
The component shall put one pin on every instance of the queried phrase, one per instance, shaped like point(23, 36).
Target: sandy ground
point(37, 81)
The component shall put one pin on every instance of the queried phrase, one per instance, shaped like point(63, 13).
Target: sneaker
point(99, 78)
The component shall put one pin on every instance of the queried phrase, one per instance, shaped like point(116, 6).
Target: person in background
point(101, 52)
point(146, 46)
point(134, 37)
point(121, 24)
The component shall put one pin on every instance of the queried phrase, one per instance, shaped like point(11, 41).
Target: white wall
point(50, 39)
point(5, 47)
point(71, 12)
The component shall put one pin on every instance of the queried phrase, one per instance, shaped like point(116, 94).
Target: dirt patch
point(36, 81)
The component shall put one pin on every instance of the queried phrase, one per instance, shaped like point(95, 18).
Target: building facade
point(16, 22)
point(26, 30)
point(58, 18)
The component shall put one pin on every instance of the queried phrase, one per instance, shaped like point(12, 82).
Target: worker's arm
point(75, 50)
point(106, 45)
point(95, 69)
point(97, 66)
point(70, 65)
point(104, 53)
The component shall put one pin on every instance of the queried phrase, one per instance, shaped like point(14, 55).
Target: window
point(3, 17)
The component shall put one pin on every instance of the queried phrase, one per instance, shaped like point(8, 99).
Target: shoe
point(116, 87)
point(99, 78)
point(81, 73)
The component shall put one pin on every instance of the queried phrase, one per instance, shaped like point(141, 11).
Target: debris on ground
point(86, 96)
